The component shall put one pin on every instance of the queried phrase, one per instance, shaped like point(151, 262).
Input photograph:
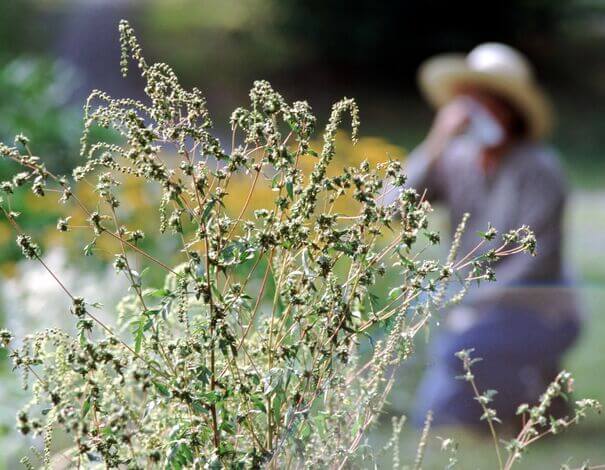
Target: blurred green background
point(53, 52)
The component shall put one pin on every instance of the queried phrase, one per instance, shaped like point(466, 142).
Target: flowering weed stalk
point(537, 420)
point(247, 356)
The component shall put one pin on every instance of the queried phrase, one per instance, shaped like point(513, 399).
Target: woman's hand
point(450, 121)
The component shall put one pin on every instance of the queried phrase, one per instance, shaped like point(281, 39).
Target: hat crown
point(499, 59)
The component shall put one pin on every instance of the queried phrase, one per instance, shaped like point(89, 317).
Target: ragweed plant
point(537, 420)
point(247, 355)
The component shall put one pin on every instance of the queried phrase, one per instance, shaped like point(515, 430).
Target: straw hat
point(490, 66)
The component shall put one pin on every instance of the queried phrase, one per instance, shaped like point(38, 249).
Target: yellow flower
point(6, 233)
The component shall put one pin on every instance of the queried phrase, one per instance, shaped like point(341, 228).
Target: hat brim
point(440, 79)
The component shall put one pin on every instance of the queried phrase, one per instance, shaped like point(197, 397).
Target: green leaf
point(198, 407)
point(227, 427)
point(88, 249)
point(138, 334)
point(186, 452)
point(211, 397)
point(203, 374)
point(208, 210)
point(273, 380)
point(153, 310)
point(179, 455)
point(85, 407)
point(276, 404)
point(159, 293)
point(259, 404)
point(161, 388)
point(179, 201)
point(275, 181)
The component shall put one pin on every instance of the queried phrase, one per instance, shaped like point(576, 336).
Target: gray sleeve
point(542, 200)
point(422, 174)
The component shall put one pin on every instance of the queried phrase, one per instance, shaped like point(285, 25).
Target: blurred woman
point(485, 155)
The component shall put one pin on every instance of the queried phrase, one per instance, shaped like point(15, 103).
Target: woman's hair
point(517, 126)
point(502, 107)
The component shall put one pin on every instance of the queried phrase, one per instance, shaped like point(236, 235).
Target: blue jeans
point(521, 354)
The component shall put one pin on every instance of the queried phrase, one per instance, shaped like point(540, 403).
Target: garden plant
point(248, 355)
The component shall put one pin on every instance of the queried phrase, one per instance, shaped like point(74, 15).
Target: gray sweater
point(527, 188)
